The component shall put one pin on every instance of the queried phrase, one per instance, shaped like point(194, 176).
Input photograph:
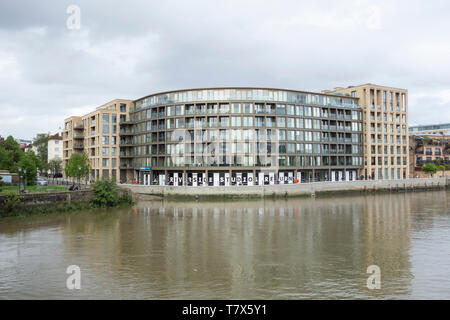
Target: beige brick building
point(97, 134)
point(385, 122)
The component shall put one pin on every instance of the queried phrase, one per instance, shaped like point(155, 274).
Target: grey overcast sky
point(128, 49)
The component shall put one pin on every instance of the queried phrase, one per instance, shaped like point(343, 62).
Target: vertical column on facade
point(166, 177)
point(185, 178)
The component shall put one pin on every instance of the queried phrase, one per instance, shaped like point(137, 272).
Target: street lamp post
point(20, 172)
point(25, 180)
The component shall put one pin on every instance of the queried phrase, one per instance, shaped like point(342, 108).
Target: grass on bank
point(105, 195)
point(33, 189)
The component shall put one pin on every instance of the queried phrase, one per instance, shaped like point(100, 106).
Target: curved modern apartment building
point(229, 136)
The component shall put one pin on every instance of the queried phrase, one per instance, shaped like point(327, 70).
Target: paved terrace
point(286, 190)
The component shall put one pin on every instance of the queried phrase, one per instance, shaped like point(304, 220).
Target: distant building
point(55, 147)
point(23, 142)
point(442, 129)
point(425, 149)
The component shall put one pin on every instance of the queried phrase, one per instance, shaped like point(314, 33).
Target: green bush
point(12, 199)
point(430, 168)
point(106, 193)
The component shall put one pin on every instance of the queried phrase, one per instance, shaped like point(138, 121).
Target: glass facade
point(194, 131)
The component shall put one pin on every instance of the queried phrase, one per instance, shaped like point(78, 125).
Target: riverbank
point(57, 202)
point(142, 192)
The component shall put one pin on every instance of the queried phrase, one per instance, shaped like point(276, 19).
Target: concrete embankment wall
point(52, 197)
point(141, 192)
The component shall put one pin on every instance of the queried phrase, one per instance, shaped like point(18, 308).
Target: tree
point(77, 166)
point(55, 166)
point(37, 161)
point(6, 159)
point(28, 163)
point(10, 154)
point(41, 144)
point(430, 168)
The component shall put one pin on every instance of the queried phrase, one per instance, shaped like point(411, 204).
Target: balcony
point(78, 136)
point(125, 133)
point(78, 146)
point(78, 126)
point(127, 122)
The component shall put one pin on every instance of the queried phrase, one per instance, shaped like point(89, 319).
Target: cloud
point(134, 48)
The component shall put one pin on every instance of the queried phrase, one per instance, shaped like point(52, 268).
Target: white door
point(227, 179)
point(175, 179)
point(271, 177)
point(354, 175)
point(333, 176)
point(281, 177)
point(340, 175)
point(290, 177)
point(261, 178)
point(239, 179)
point(250, 178)
point(299, 177)
point(216, 179)
point(194, 179)
point(347, 175)
point(162, 179)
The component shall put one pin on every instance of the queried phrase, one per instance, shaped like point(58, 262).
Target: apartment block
point(97, 134)
point(385, 122)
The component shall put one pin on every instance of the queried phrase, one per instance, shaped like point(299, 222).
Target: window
point(281, 109)
point(236, 108)
point(224, 108)
point(290, 110)
point(179, 110)
point(308, 111)
point(235, 121)
point(123, 107)
point(281, 122)
point(105, 140)
point(180, 123)
point(105, 123)
point(105, 162)
point(247, 121)
point(308, 123)
point(105, 151)
point(224, 121)
point(113, 151)
point(290, 122)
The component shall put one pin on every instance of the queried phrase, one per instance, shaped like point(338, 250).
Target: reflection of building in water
point(300, 245)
